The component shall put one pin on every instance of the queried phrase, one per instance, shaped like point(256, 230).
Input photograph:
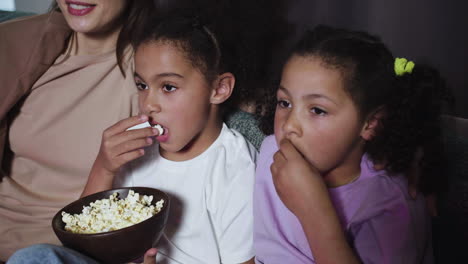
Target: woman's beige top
point(55, 139)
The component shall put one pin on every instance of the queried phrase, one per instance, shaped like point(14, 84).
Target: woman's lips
point(79, 8)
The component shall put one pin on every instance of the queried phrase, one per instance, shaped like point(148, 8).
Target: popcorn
point(111, 214)
point(147, 124)
point(160, 129)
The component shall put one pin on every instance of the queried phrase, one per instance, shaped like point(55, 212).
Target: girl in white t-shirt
point(185, 74)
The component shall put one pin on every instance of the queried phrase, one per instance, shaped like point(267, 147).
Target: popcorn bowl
point(118, 246)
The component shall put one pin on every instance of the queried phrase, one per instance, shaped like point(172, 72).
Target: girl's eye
point(318, 111)
point(141, 86)
point(169, 88)
point(284, 104)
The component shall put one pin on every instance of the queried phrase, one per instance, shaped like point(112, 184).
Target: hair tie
point(403, 66)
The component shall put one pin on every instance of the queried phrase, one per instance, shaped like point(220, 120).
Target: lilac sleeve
point(278, 234)
point(376, 242)
point(395, 233)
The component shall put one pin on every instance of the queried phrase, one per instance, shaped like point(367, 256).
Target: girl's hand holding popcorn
point(118, 146)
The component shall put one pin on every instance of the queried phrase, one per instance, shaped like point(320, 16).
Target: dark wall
point(430, 31)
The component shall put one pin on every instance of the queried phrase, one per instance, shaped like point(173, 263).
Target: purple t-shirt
point(382, 223)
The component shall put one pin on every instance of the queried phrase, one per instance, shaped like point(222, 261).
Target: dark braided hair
point(217, 36)
point(411, 104)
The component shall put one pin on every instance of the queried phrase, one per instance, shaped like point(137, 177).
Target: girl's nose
point(150, 102)
point(292, 126)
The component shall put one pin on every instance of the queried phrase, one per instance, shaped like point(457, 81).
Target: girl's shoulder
point(374, 193)
point(380, 184)
point(269, 146)
point(235, 143)
point(381, 180)
point(265, 159)
point(230, 151)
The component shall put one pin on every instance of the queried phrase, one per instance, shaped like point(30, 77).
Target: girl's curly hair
point(411, 104)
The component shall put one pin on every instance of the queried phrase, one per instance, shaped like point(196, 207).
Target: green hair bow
point(403, 66)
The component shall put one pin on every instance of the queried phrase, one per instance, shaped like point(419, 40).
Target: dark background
point(429, 31)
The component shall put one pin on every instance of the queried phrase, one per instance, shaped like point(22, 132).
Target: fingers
point(133, 139)
point(289, 150)
point(127, 157)
point(124, 124)
point(117, 140)
point(125, 152)
point(286, 152)
point(119, 146)
point(150, 256)
point(278, 161)
point(130, 145)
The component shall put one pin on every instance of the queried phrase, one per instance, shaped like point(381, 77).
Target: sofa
point(450, 226)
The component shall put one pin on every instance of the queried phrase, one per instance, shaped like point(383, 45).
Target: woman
point(61, 86)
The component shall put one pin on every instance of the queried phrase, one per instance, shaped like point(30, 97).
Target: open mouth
point(79, 8)
point(163, 132)
point(160, 129)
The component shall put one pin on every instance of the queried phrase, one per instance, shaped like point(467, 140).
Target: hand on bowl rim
point(148, 258)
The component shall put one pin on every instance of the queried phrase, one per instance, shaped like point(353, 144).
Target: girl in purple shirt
point(345, 103)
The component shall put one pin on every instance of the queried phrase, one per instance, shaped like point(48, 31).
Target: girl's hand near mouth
point(118, 146)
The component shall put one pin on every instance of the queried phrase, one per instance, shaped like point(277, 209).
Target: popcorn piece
point(112, 214)
point(142, 125)
point(160, 129)
point(147, 124)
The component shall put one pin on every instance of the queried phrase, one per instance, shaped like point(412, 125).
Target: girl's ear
point(223, 87)
point(373, 124)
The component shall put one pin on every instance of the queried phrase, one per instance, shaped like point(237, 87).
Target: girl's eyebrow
point(135, 74)
point(308, 96)
point(169, 74)
point(164, 74)
point(282, 88)
point(318, 96)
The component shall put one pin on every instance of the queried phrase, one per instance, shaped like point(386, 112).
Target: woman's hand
point(294, 178)
point(118, 146)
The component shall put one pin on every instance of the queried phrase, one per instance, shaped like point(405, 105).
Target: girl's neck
point(348, 171)
point(94, 44)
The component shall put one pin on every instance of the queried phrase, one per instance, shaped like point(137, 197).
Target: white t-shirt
point(211, 215)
